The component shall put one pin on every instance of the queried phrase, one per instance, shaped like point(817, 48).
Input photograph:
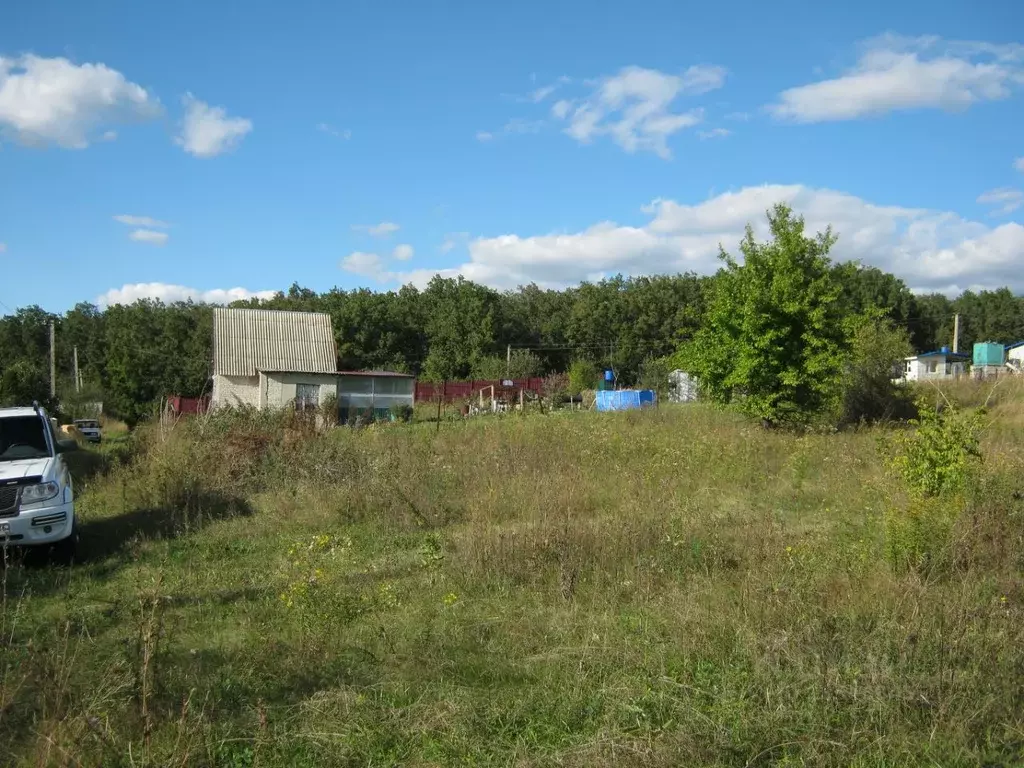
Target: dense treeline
point(132, 355)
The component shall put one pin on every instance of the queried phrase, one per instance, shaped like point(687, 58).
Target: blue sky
point(189, 149)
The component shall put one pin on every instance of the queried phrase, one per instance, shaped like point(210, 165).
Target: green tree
point(23, 382)
point(522, 364)
point(583, 374)
point(773, 337)
point(131, 377)
point(877, 349)
point(654, 373)
point(460, 322)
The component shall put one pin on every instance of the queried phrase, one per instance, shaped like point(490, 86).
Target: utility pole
point(508, 360)
point(53, 363)
point(78, 380)
point(956, 333)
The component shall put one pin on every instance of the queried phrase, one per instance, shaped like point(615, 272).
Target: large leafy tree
point(461, 318)
point(773, 339)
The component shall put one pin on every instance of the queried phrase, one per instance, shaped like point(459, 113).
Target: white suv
point(37, 505)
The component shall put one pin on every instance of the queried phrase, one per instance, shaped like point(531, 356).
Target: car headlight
point(32, 494)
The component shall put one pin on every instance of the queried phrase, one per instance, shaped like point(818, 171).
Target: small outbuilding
point(268, 358)
point(941, 364)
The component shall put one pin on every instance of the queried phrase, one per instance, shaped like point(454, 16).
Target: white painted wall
point(279, 388)
point(1016, 354)
point(933, 367)
point(235, 390)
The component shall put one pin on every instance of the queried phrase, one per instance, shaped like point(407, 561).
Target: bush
point(329, 410)
point(555, 388)
point(401, 412)
point(937, 464)
point(522, 364)
point(870, 395)
point(653, 375)
point(583, 375)
point(941, 457)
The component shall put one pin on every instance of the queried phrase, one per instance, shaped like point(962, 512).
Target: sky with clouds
point(212, 152)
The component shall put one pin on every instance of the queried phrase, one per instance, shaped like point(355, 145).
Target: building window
point(932, 366)
point(307, 396)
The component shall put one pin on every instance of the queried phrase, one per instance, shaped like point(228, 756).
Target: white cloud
point(140, 221)
point(1005, 200)
point(895, 73)
point(561, 108)
point(484, 136)
point(714, 133)
point(53, 101)
point(539, 94)
point(634, 107)
point(1019, 164)
point(383, 229)
point(345, 135)
point(365, 265)
point(167, 293)
point(931, 250)
point(208, 131)
point(741, 117)
point(150, 236)
point(403, 252)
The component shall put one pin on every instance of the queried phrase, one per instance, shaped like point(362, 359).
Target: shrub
point(877, 346)
point(329, 410)
point(653, 375)
point(401, 412)
point(937, 463)
point(521, 364)
point(941, 456)
point(583, 374)
point(555, 388)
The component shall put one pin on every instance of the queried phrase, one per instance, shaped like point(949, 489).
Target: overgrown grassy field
point(667, 588)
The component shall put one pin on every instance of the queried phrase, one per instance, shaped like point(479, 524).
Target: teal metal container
point(988, 353)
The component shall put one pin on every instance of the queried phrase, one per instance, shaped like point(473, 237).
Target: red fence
point(451, 391)
point(187, 405)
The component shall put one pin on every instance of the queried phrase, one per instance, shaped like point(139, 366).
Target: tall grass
point(675, 587)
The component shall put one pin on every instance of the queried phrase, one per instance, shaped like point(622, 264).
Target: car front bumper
point(38, 525)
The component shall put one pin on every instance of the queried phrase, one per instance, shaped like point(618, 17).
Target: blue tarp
point(625, 399)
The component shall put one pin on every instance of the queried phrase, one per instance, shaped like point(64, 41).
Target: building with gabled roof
point(270, 358)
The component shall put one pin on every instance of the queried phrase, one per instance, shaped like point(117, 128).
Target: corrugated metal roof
point(246, 341)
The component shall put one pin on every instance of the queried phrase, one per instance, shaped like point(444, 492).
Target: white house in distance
point(1015, 356)
point(269, 358)
point(941, 364)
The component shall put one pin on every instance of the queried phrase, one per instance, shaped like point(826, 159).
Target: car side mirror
point(66, 446)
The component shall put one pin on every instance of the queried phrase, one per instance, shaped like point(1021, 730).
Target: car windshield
point(22, 437)
point(87, 424)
